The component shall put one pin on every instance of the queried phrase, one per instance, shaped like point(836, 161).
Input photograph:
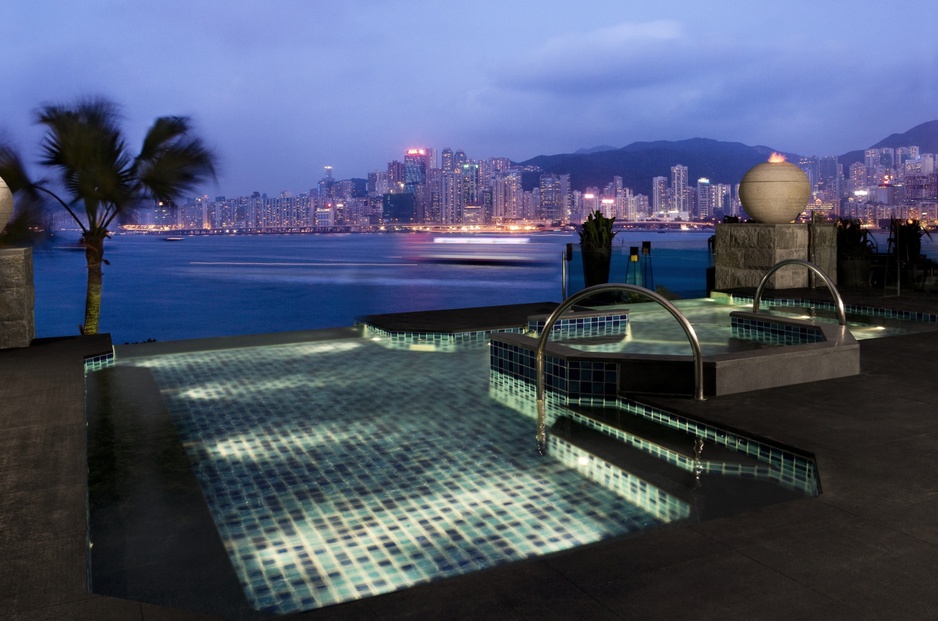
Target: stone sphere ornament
point(774, 192)
point(6, 203)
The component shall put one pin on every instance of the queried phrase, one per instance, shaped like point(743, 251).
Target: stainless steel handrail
point(841, 309)
point(564, 275)
point(585, 293)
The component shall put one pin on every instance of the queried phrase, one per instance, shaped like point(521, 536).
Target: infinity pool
point(336, 470)
point(341, 470)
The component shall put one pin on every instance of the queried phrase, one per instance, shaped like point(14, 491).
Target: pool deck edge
point(867, 548)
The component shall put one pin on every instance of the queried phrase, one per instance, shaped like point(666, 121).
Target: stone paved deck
point(867, 548)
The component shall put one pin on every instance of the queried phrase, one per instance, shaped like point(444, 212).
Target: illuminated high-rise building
point(507, 196)
point(904, 154)
point(450, 197)
point(704, 198)
point(471, 184)
point(722, 199)
point(551, 198)
point(638, 207)
point(830, 182)
point(500, 164)
point(416, 165)
point(446, 160)
point(679, 186)
point(659, 194)
point(857, 179)
point(809, 166)
point(165, 214)
point(396, 176)
point(325, 184)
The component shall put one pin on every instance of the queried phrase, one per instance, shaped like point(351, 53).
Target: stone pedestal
point(745, 252)
point(17, 297)
point(822, 250)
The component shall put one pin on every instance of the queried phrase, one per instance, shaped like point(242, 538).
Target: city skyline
point(448, 188)
point(282, 92)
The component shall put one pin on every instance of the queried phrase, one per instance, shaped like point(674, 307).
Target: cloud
point(662, 80)
point(283, 89)
point(627, 54)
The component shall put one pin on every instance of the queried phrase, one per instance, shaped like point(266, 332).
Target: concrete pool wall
point(833, 352)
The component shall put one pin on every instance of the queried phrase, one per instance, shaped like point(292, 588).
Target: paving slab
point(867, 548)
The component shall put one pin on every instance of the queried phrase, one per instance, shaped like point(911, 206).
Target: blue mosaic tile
point(99, 361)
point(769, 331)
point(788, 469)
point(868, 311)
point(341, 470)
point(432, 341)
point(582, 325)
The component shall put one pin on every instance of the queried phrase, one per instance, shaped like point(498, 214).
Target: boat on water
point(475, 250)
point(174, 238)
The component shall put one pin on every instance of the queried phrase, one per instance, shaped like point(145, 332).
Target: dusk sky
point(282, 88)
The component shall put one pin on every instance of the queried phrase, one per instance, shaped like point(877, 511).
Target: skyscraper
point(551, 198)
point(415, 169)
point(446, 160)
point(810, 167)
point(659, 194)
point(507, 199)
point(325, 184)
point(830, 185)
point(416, 165)
point(679, 188)
point(704, 198)
point(471, 184)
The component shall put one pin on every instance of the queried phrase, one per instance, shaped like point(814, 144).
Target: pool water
point(340, 470)
point(652, 330)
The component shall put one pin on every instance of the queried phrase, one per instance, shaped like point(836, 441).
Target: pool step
point(721, 488)
point(673, 445)
point(648, 467)
point(662, 504)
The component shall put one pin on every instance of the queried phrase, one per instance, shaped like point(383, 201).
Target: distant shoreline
point(676, 227)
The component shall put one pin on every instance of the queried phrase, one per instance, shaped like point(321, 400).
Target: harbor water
point(218, 285)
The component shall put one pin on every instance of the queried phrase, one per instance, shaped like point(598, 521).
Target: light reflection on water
point(225, 285)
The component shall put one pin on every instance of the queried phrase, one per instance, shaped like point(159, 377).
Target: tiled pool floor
point(342, 470)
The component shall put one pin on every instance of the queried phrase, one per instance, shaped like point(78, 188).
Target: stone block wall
point(823, 250)
point(744, 252)
point(17, 298)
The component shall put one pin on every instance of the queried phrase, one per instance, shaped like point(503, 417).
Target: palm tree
point(85, 147)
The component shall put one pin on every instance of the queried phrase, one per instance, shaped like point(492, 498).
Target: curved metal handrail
point(841, 309)
point(585, 293)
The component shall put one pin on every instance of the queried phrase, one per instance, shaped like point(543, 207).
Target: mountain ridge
point(720, 161)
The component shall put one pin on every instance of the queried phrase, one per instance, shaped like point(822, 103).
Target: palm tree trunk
point(94, 255)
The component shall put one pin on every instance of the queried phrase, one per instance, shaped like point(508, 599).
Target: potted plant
point(905, 244)
point(855, 250)
point(596, 246)
point(905, 239)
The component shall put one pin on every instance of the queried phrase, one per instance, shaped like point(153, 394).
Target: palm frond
point(85, 145)
point(172, 161)
point(14, 172)
point(164, 131)
point(27, 225)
